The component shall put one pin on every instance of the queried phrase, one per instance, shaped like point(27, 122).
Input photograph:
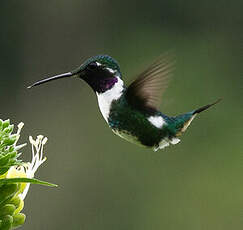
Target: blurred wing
point(146, 91)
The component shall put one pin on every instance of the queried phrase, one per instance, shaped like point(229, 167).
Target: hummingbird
point(132, 112)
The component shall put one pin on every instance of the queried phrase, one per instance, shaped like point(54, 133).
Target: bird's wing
point(146, 90)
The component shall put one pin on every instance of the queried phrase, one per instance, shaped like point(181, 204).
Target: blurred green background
point(105, 182)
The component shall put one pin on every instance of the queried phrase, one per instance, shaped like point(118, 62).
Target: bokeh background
point(105, 182)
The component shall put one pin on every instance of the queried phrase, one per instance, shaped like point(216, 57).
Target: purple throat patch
point(108, 83)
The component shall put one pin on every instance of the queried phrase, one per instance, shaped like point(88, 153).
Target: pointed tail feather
point(206, 107)
point(183, 121)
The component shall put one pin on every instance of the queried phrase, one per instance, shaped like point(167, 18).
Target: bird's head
point(101, 72)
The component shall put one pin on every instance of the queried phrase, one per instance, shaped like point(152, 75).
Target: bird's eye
point(92, 65)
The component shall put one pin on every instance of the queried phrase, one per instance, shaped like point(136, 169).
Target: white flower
point(28, 170)
point(17, 147)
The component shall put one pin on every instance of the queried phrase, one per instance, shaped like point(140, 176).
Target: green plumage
point(134, 126)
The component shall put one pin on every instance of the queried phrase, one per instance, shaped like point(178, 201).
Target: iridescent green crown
point(106, 60)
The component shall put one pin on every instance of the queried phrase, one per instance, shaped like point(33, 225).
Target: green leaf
point(25, 180)
point(4, 170)
point(6, 123)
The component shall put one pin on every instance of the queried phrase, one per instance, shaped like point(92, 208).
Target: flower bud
point(7, 191)
point(6, 223)
point(18, 203)
point(6, 124)
point(4, 159)
point(9, 141)
point(9, 129)
point(7, 209)
point(18, 220)
point(19, 207)
point(1, 124)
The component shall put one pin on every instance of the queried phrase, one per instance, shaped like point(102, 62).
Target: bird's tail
point(205, 107)
point(184, 120)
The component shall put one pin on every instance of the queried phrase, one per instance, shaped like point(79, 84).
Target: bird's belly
point(127, 136)
point(165, 142)
point(136, 128)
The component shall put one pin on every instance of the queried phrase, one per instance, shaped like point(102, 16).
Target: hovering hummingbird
point(132, 112)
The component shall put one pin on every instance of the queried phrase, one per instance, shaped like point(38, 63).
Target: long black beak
point(69, 74)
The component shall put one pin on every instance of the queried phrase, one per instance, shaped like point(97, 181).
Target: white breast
point(105, 99)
